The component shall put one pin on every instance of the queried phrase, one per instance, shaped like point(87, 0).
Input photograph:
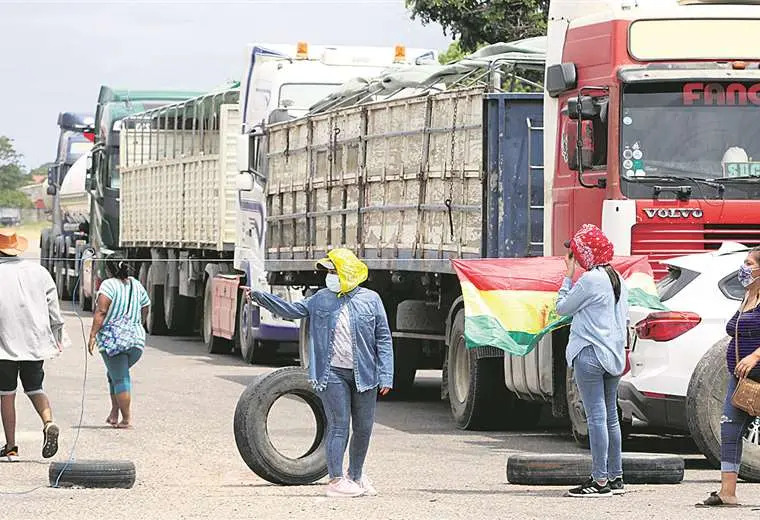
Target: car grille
point(663, 241)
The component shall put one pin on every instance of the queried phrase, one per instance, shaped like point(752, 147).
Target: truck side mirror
point(243, 153)
point(561, 78)
point(583, 107)
point(586, 146)
point(51, 190)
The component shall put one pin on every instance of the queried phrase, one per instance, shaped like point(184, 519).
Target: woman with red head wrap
point(598, 303)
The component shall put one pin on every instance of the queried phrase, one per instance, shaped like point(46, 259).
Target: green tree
point(475, 22)
point(12, 176)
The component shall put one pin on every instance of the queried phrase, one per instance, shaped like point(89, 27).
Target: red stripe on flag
point(533, 274)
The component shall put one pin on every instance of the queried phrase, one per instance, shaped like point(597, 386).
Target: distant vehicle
point(58, 243)
point(677, 376)
point(10, 217)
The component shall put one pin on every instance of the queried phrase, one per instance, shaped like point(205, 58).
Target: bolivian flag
point(510, 303)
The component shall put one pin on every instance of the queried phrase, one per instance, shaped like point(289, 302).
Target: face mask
point(333, 282)
point(745, 276)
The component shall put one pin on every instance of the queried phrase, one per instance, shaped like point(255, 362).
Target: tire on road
point(567, 469)
point(45, 249)
point(704, 408)
point(406, 358)
point(252, 438)
point(155, 322)
point(93, 474)
point(178, 310)
point(59, 265)
point(478, 396)
point(214, 344)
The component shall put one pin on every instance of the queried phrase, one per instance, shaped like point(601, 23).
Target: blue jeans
point(344, 405)
point(733, 424)
point(117, 370)
point(599, 394)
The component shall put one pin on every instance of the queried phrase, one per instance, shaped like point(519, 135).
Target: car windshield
point(694, 129)
point(301, 96)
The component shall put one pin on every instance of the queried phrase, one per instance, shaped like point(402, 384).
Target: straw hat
point(11, 243)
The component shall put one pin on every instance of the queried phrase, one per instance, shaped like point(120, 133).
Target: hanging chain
point(449, 201)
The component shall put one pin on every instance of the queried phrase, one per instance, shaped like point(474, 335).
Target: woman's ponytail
point(614, 280)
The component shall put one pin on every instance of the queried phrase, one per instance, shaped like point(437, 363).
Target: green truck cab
point(103, 168)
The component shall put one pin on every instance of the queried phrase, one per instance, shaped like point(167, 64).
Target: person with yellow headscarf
point(350, 358)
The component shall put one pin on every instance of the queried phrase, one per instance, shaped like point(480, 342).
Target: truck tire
point(252, 438)
point(478, 396)
point(575, 411)
point(214, 345)
point(406, 358)
point(71, 265)
point(243, 341)
point(178, 310)
point(567, 469)
point(92, 474)
point(704, 408)
point(155, 321)
point(61, 279)
point(45, 249)
point(303, 343)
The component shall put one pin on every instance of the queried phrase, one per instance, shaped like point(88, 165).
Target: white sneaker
point(344, 487)
point(367, 486)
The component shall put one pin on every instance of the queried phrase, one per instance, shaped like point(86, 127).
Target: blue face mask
point(745, 276)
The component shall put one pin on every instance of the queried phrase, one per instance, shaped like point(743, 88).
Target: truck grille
point(663, 241)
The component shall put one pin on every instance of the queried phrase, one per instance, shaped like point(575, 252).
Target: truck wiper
point(697, 180)
point(743, 178)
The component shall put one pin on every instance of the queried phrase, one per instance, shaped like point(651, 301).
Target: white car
point(678, 375)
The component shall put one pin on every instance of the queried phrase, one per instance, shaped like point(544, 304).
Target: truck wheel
point(243, 341)
point(61, 279)
point(45, 249)
point(704, 408)
point(70, 265)
point(478, 396)
point(303, 343)
point(406, 355)
point(155, 322)
point(567, 469)
point(252, 438)
point(214, 345)
point(178, 310)
point(578, 423)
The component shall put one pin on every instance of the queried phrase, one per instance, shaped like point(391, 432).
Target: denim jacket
point(373, 347)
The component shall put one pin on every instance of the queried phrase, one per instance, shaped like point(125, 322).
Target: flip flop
point(714, 500)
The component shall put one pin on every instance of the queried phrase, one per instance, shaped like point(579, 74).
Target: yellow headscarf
point(351, 271)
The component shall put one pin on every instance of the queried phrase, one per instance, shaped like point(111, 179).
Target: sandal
point(714, 500)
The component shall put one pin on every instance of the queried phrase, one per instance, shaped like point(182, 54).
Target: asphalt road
point(188, 465)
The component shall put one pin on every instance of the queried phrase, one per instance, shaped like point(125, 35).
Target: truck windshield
point(702, 130)
point(301, 96)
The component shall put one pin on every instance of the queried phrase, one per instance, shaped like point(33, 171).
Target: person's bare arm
point(102, 305)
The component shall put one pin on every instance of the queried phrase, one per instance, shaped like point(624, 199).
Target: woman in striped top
point(743, 327)
point(119, 296)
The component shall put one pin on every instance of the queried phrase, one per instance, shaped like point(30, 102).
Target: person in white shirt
point(31, 329)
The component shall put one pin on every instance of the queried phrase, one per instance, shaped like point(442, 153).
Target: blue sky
point(55, 55)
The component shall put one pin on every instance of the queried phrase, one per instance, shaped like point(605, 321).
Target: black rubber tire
point(214, 344)
point(155, 324)
point(704, 407)
point(71, 281)
point(178, 310)
point(252, 439)
point(575, 412)
point(567, 469)
point(61, 279)
point(406, 359)
point(483, 402)
point(93, 474)
point(45, 249)
point(243, 341)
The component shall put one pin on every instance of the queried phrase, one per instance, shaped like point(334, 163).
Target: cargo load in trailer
point(180, 210)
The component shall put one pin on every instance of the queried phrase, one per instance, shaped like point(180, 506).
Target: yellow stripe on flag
point(516, 311)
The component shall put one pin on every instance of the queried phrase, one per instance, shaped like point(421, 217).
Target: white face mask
point(332, 282)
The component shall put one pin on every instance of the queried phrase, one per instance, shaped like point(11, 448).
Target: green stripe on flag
point(484, 330)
